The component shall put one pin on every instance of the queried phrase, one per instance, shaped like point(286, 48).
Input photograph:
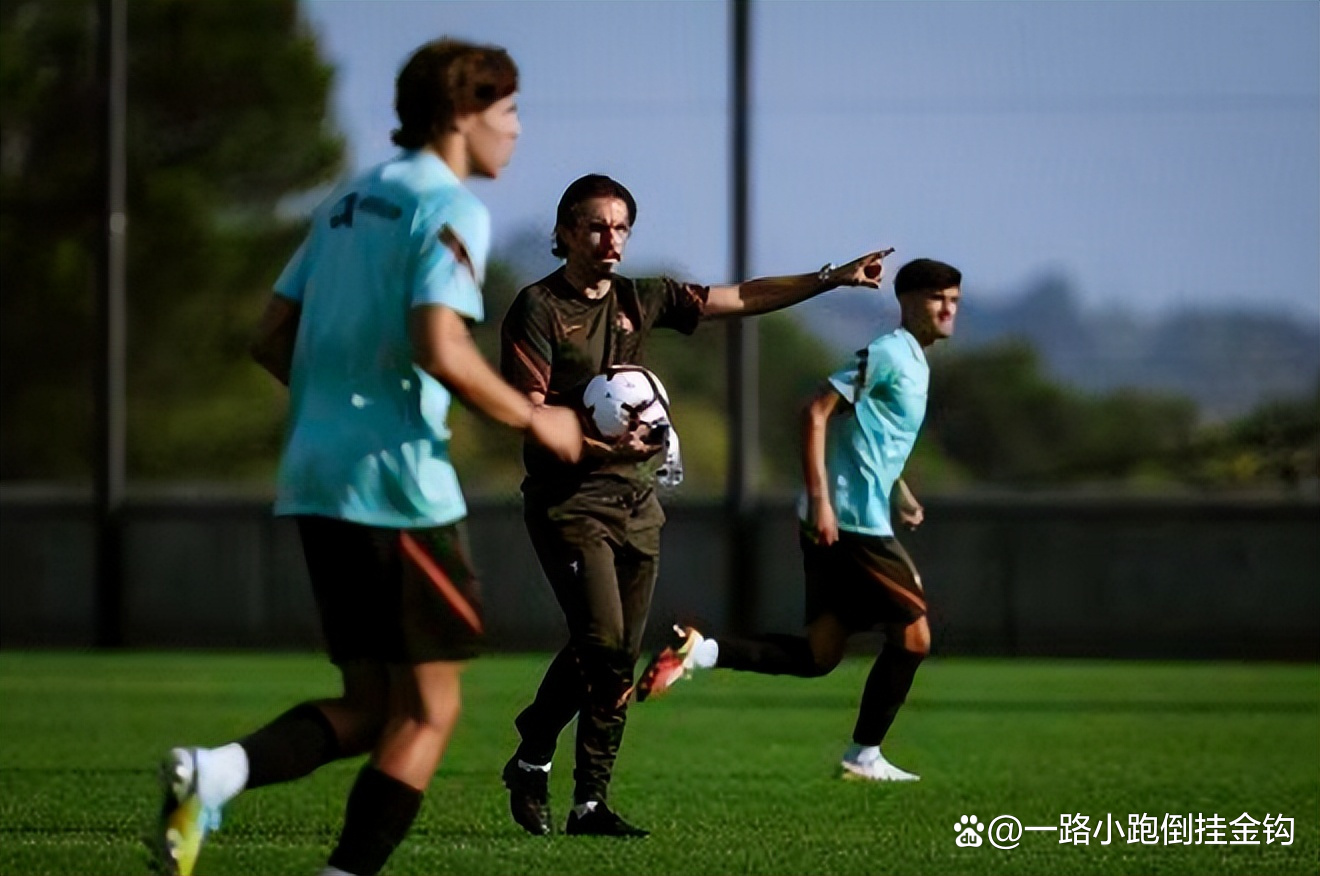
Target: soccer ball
point(624, 397)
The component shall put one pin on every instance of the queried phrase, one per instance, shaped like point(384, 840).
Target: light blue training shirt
point(867, 445)
point(367, 437)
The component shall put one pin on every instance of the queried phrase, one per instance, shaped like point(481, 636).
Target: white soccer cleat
point(857, 765)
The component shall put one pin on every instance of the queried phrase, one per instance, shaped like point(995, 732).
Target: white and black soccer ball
point(622, 398)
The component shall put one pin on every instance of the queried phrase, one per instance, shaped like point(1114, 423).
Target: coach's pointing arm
point(771, 293)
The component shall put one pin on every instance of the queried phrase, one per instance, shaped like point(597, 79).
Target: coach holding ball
point(595, 524)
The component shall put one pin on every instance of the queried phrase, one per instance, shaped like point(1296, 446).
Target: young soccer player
point(368, 328)
point(857, 434)
point(595, 525)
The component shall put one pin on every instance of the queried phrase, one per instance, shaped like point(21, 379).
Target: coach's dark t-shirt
point(555, 339)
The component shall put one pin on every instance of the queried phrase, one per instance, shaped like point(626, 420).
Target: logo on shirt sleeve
point(450, 239)
point(863, 359)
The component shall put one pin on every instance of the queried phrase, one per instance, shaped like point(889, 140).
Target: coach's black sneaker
point(529, 796)
point(600, 820)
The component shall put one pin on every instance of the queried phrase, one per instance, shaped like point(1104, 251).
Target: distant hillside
point(1228, 361)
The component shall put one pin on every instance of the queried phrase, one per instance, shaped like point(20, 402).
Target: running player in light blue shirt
point(368, 440)
point(857, 436)
point(368, 328)
point(865, 453)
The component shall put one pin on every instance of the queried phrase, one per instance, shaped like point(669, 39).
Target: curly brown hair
point(446, 78)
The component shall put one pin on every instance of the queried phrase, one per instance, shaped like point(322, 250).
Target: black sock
point(379, 813)
point(886, 689)
point(775, 654)
point(290, 747)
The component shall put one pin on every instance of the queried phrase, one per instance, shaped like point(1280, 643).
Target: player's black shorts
point(394, 595)
point(863, 580)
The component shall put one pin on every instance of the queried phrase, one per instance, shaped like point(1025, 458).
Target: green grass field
point(734, 773)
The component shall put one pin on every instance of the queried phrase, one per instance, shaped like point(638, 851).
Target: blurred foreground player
point(368, 328)
point(857, 435)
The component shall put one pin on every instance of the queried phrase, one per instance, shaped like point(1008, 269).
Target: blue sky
point(1155, 153)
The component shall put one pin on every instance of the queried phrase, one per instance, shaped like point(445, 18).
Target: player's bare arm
point(443, 347)
point(633, 446)
point(820, 512)
point(272, 347)
point(910, 511)
point(617, 450)
point(773, 293)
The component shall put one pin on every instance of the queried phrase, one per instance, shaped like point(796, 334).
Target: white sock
point(333, 871)
point(862, 754)
point(705, 653)
point(524, 765)
point(582, 809)
point(221, 773)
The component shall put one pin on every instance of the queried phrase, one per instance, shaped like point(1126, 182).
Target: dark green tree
point(1278, 443)
point(1000, 419)
point(227, 121)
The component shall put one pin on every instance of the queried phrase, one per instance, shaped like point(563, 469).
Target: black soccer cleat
point(601, 821)
point(529, 797)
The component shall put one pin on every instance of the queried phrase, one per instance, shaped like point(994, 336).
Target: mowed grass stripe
point(735, 773)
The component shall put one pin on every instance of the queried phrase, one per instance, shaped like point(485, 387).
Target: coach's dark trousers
point(600, 551)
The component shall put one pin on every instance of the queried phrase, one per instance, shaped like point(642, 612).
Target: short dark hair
point(584, 188)
point(926, 275)
point(446, 78)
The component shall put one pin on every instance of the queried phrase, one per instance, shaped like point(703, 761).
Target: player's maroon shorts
point(863, 580)
point(394, 595)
